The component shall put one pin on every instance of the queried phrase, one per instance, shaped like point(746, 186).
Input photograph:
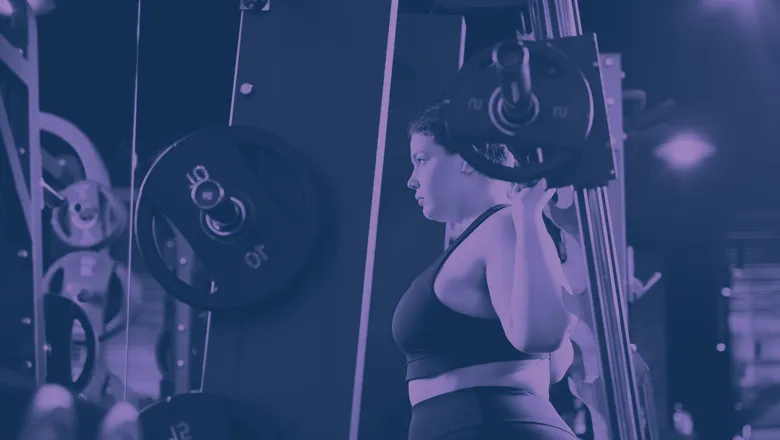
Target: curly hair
point(431, 122)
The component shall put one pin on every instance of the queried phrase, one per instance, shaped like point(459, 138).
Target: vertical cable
point(133, 163)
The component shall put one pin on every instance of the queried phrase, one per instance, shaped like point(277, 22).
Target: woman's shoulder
point(497, 232)
point(501, 220)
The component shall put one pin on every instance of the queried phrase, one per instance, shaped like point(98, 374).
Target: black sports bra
point(437, 339)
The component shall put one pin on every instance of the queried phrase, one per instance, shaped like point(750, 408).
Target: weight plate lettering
point(245, 202)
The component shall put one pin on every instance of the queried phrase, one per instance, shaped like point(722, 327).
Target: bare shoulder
point(496, 235)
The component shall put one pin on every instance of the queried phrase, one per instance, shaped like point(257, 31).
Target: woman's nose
point(412, 183)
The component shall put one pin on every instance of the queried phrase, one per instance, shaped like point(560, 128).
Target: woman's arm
point(562, 358)
point(525, 280)
point(560, 361)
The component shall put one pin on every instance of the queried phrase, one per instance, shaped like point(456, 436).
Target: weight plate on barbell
point(92, 216)
point(99, 285)
point(246, 203)
point(476, 113)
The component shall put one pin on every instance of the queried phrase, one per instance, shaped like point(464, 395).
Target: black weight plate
point(563, 123)
point(278, 191)
point(60, 313)
point(190, 416)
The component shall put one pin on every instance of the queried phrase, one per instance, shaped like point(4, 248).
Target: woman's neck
point(471, 213)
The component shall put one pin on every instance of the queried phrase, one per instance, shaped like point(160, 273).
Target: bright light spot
point(6, 8)
point(724, 3)
point(684, 151)
point(726, 291)
point(41, 7)
point(745, 12)
point(721, 347)
point(730, 5)
point(683, 422)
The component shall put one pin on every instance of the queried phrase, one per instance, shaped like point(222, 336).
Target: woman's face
point(437, 179)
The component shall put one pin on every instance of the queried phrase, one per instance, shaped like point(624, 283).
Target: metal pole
point(553, 19)
point(620, 385)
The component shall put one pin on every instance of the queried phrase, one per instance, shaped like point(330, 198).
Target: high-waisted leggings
point(487, 413)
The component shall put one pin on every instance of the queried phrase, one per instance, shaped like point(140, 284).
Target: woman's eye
point(420, 160)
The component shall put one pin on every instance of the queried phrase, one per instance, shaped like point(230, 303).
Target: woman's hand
point(530, 202)
point(52, 416)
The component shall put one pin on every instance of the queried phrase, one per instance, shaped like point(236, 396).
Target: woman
point(484, 328)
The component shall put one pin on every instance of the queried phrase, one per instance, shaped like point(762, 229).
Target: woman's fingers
point(121, 423)
point(51, 415)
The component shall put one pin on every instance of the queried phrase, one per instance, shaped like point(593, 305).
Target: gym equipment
point(87, 164)
point(552, 111)
point(179, 350)
point(246, 204)
point(19, 91)
point(61, 314)
point(192, 416)
point(181, 344)
point(106, 389)
point(91, 216)
point(545, 100)
point(163, 352)
point(99, 285)
point(636, 287)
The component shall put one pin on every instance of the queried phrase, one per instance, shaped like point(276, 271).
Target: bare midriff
point(532, 376)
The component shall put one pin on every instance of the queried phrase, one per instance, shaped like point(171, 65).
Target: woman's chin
point(432, 215)
point(426, 211)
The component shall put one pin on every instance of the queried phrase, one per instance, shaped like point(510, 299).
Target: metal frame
point(23, 62)
point(551, 20)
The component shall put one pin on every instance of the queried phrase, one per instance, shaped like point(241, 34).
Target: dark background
point(715, 63)
point(718, 65)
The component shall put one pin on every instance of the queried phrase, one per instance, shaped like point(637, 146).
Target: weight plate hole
point(114, 299)
point(56, 284)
